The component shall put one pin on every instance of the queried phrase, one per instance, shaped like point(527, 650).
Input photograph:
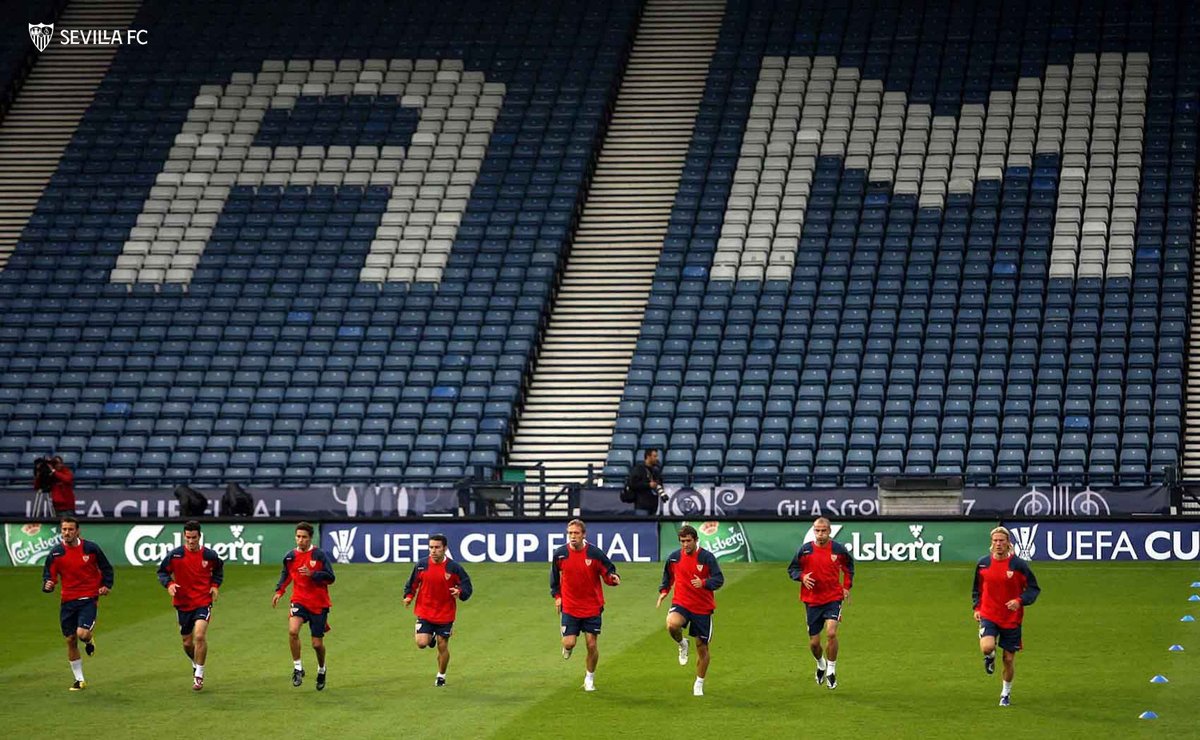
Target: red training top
point(577, 576)
point(827, 565)
point(679, 571)
point(309, 591)
point(195, 572)
point(998, 582)
point(431, 582)
point(83, 569)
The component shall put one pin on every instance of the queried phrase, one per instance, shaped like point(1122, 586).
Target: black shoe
point(440, 681)
point(989, 664)
point(89, 647)
point(831, 681)
point(297, 676)
point(820, 676)
point(321, 681)
point(78, 686)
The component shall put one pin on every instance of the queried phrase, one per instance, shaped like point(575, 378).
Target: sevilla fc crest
point(588, 562)
point(1008, 573)
point(832, 558)
point(40, 34)
point(86, 558)
point(446, 576)
point(699, 568)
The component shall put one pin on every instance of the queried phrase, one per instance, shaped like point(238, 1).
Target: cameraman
point(645, 482)
point(62, 489)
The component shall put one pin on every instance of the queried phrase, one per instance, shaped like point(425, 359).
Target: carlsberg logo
point(719, 546)
point(874, 546)
point(144, 545)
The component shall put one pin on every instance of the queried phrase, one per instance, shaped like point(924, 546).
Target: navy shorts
point(189, 617)
point(77, 614)
point(318, 622)
point(699, 625)
point(819, 613)
point(574, 625)
point(444, 629)
point(1009, 639)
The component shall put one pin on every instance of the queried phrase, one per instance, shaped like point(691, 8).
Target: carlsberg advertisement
point(905, 542)
point(148, 544)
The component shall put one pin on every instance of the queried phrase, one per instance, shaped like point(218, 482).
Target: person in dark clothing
point(645, 483)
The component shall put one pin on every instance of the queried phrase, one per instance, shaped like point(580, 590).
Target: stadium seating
point(295, 244)
point(927, 238)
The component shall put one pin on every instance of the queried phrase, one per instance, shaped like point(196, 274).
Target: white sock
point(681, 641)
point(589, 676)
point(990, 655)
point(821, 664)
point(321, 670)
point(77, 669)
point(296, 664)
point(199, 671)
point(832, 666)
point(1007, 688)
point(194, 666)
point(441, 675)
point(699, 681)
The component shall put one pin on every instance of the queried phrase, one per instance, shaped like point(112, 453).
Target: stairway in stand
point(48, 108)
point(571, 405)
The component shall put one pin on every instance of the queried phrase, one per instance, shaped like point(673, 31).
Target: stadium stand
point(298, 243)
point(293, 243)
point(927, 238)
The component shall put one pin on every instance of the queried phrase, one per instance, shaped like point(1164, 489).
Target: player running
point(86, 576)
point(1004, 586)
point(310, 571)
point(694, 574)
point(577, 571)
point(438, 584)
point(825, 570)
point(192, 574)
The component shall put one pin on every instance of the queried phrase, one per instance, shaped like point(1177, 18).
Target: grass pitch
point(909, 665)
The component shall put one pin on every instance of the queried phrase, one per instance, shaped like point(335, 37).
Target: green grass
point(909, 665)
